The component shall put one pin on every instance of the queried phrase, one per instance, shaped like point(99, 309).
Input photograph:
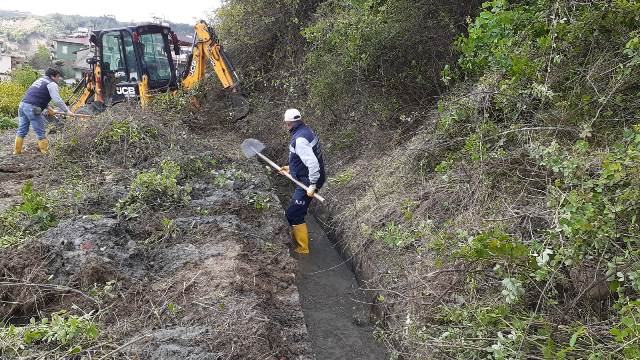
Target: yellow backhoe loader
point(137, 62)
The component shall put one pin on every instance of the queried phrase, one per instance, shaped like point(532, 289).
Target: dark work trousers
point(298, 207)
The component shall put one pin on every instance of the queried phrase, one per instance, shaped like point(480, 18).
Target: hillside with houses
point(59, 40)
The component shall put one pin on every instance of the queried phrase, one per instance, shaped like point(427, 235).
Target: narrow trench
point(336, 312)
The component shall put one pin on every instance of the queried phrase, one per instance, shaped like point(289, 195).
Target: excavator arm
point(206, 46)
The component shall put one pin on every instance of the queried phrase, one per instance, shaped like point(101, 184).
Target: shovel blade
point(250, 147)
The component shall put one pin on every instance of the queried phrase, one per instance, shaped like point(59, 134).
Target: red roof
point(78, 40)
point(185, 41)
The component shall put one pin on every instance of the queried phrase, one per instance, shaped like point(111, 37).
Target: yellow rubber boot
point(17, 146)
point(43, 145)
point(300, 235)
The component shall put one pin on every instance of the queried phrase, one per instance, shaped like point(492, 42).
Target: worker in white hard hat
point(307, 166)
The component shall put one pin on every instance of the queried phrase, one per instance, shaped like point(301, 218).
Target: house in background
point(5, 67)
point(67, 48)
point(186, 47)
point(80, 65)
point(8, 63)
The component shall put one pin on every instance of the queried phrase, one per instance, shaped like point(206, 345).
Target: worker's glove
point(50, 112)
point(284, 170)
point(311, 190)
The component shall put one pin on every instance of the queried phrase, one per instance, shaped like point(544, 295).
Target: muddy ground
point(216, 281)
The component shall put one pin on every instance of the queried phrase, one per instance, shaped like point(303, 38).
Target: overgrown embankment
point(137, 236)
point(498, 220)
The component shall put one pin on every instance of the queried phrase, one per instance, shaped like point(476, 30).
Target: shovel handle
point(76, 115)
point(277, 167)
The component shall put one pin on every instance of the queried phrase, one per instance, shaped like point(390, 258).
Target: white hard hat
point(292, 115)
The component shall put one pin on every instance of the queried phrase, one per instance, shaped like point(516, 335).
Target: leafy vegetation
point(361, 47)
point(561, 73)
point(41, 59)
point(73, 333)
point(529, 174)
point(7, 123)
point(33, 215)
point(154, 190)
point(260, 201)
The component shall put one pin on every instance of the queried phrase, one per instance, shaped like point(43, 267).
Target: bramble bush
point(391, 51)
point(562, 74)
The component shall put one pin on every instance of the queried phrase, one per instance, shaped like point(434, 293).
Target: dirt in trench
point(335, 310)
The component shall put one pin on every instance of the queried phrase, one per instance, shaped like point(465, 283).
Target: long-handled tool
point(252, 147)
point(75, 115)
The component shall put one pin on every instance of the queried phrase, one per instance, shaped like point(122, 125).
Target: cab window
point(130, 55)
point(155, 57)
point(118, 56)
point(112, 59)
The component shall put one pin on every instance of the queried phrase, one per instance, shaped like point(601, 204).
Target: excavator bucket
point(240, 106)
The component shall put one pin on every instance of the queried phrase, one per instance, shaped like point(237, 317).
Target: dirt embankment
point(206, 277)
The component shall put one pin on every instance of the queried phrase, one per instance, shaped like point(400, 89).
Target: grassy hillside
point(483, 161)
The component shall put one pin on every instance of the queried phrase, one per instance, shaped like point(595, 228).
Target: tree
point(41, 59)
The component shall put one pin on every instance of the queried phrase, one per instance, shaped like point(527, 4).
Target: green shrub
point(119, 131)
point(156, 189)
point(11, 94)
point(25, 76)
point(384, 49)
point(36, 206)
point(7, 123)
point(556, 93)
point(493, 245)
point(33, 215)
point(73, 333)
point(262, 36)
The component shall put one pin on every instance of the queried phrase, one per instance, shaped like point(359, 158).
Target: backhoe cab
point(136, 62)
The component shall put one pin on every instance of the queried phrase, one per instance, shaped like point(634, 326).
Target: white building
point(5, 67)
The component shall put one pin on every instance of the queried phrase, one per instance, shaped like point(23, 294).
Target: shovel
point(76, 115)
point(251, 147)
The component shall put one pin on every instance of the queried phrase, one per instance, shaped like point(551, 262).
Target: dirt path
point(327, 288)
point(14, 171)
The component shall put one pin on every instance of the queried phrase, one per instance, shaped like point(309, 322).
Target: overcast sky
point(124, 10)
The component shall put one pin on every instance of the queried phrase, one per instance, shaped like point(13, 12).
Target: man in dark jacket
point(35, 101)
point(307, 166)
